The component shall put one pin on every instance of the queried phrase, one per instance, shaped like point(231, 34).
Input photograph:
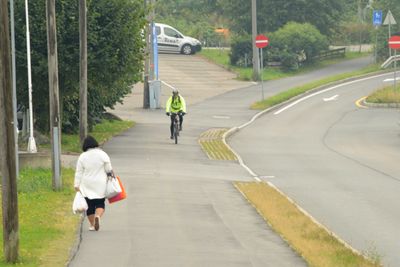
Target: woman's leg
point(91, 211)
point(91, 219)
point(100, 206)
point(99, 212)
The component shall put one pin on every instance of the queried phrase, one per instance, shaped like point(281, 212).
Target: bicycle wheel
point(176, 132)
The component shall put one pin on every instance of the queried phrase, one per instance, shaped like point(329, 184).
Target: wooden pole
point(7, 144)
point(256, 56)
point(55, 120)
point(83, 117)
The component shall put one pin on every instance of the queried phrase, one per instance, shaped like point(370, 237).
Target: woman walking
point(92, 169)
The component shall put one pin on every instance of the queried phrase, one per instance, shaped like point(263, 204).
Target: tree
point(273, 14)
point(114, 56)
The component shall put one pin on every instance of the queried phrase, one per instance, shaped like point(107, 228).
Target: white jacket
point(91, 173)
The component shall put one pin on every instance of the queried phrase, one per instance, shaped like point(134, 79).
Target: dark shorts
point(94, 204)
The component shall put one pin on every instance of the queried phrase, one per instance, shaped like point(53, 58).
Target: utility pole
point(55, 120)
point(256, 57)
point(83, 118)
point(7, 144)
point(146, 99)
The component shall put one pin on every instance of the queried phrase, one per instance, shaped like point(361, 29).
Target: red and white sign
point(394, 42)
point(261, 41)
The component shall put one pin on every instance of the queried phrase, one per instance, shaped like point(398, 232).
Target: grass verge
point(47, 227)
point(221, 57)
point(102, 132)
point(385, 95)
point(284, 96)
point(317, 246)
point(212, 144)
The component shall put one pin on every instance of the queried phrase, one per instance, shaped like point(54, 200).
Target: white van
point(171, 40)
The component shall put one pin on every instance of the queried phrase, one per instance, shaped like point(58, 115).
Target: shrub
point(240, 47)
point(296, 43)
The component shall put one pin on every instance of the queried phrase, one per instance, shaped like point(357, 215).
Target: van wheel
point(187, 49)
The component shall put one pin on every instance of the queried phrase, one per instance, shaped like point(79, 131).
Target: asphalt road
point(182, 209)
point(337, 161)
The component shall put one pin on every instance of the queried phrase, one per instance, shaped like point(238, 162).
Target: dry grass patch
point(212, 144)
point(387, 94)
point(317, 246)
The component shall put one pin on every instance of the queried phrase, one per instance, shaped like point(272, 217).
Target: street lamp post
point(31, 143)
point(14, 81)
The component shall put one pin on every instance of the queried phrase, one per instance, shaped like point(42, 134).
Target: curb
point(75, 248)
point(381, 105)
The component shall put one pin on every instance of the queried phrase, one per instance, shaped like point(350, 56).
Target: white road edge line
point(256, 177)
point(326, 90)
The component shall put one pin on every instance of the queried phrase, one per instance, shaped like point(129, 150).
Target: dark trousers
point(172, 121)
point(93, 204)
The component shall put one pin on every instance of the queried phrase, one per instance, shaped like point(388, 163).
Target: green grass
point(46, 223)
point(221, 57)
point(387, 94)
point(102, 132)
point(281, 97)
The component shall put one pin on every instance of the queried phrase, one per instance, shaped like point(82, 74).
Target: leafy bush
point(296, 43)
point(241, 46)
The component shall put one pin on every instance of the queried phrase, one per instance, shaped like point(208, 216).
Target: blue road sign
point(377, 17)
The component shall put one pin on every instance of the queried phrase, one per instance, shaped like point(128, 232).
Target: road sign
point(394, 42)
point(261, 41)
point(377, 17)
point(389, 20)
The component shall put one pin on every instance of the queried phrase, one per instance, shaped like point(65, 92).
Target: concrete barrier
point(34, 160)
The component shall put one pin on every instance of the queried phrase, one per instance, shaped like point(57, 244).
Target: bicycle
point(175, 128)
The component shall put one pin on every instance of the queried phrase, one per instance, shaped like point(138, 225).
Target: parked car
point(170, 39)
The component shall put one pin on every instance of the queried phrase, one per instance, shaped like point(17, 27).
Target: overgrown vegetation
point(387, 94)
point(115, 56)
point(47, 225)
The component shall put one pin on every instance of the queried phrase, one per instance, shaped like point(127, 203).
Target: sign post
point(389, 20)
point(394, 43)
point(261, 42)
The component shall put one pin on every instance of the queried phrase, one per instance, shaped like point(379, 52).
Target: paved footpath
point(182, 208)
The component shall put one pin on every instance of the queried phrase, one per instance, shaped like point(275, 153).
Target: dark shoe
point(96, 223)
point(171, 137)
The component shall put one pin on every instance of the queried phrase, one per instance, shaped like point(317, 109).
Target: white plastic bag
point(113, 188)
point(80, 204)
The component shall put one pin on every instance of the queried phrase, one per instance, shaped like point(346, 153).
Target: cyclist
point(175, 105)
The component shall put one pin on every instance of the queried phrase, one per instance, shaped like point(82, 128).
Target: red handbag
point(120, 196)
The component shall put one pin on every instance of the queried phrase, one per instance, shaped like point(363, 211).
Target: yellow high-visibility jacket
point(175, 105)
